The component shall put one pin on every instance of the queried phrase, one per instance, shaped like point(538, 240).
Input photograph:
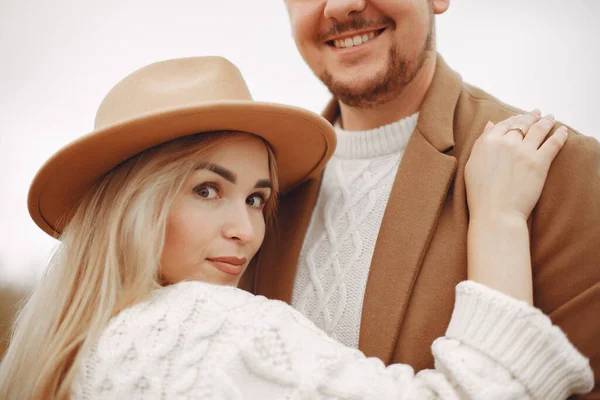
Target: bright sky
point(60, 57)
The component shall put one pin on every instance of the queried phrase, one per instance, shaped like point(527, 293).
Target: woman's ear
point(440, 6)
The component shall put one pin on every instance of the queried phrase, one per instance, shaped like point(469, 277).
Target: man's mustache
point(354, 24)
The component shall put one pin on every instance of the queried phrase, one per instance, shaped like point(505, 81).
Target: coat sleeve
point(565, 239)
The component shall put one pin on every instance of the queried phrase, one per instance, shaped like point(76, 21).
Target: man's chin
point(342, 89)
point(357, 75)
point(363, 92)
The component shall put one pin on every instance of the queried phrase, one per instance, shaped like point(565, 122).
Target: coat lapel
point(413, 208)
point(278, 258)
point(418, 194)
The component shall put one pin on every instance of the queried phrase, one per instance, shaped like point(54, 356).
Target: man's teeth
point(355, 41)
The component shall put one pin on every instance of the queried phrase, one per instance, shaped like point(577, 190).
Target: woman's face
point(216, 224)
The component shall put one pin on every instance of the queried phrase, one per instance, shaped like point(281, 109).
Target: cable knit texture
point(195, 340)
point(336, 255)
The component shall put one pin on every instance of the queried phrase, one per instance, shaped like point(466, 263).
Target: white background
point(59, 58)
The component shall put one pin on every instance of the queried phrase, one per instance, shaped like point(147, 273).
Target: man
point(372, 248)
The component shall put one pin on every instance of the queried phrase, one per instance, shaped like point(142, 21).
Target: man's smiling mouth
point(354, 40)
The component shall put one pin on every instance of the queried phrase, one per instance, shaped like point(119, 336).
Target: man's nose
point(342, 10)
point(239, 224)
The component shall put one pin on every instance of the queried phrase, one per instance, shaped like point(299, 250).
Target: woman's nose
point(239, 225)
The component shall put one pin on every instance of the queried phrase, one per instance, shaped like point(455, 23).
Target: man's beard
point(400, 72)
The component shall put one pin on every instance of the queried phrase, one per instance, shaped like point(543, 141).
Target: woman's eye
point(207, 191)
point(256, 200)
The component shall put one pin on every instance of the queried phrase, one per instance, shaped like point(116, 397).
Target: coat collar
point(415, 202)
point(436, 115)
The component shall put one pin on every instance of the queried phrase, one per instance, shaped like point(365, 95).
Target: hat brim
point(301, 140)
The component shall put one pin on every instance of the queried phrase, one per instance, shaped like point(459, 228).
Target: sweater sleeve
point(228, 344)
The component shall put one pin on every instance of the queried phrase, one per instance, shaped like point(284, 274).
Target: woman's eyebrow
point(231, 177)
point(263, 184)
point(219, 170)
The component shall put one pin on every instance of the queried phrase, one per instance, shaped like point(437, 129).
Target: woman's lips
point(229, 265)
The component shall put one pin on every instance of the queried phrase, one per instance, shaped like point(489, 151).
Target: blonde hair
point(108, 259)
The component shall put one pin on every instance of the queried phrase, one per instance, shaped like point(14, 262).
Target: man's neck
point(407, 102)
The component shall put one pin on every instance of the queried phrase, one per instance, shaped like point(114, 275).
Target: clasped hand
point(508, 165)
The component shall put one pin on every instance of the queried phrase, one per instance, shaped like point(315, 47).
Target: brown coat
point(421, 254)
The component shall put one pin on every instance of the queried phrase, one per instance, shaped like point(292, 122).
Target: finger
point(488, 126)
point(520, 126)
point(515, 135)
point(537, 112)
point(554, 144)
point(501, 127)
point(538, 132)
point(523, 121)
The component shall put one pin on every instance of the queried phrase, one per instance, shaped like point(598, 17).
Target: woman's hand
point(508, 166)
point(505, 176)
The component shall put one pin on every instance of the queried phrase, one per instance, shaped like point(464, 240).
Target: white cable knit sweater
point(195, 340)
point(334, 263)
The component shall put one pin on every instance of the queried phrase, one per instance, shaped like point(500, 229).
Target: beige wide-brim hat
point(165, 101)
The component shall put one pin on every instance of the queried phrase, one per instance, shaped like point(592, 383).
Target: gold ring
point(518, 129)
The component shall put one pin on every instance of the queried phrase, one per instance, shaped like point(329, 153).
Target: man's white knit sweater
point(194, 340)
point(336, 255)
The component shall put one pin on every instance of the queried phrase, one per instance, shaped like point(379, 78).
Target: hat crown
point(172, 84)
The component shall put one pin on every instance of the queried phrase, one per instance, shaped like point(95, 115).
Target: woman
point(159, 221)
